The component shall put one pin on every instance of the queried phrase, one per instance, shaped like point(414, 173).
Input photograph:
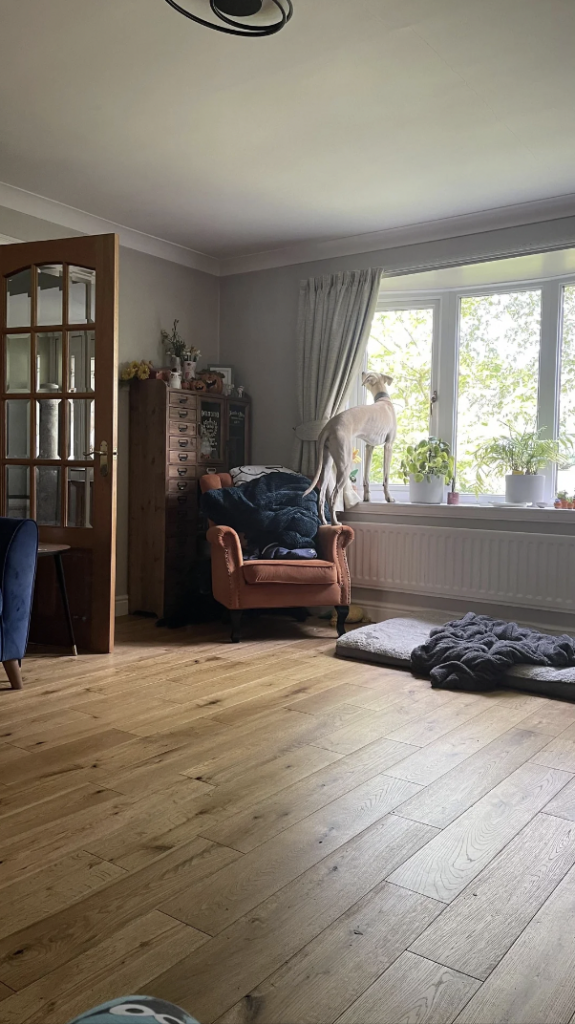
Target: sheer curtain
point(335, 315)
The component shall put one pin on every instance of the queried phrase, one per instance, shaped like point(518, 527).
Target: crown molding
point(86, 224)
point(518, 215)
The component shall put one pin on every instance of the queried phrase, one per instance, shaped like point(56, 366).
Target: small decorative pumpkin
point(214, 381)
point(199, 385)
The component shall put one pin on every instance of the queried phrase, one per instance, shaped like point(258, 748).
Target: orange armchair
point(277, 583)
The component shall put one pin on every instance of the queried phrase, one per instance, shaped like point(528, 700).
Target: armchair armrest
point(226, 539)
point(18, 555)
point(331, 540)
point(227, 561)
point(331, 544)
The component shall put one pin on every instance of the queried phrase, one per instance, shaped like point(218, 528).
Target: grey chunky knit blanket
point(474, 652)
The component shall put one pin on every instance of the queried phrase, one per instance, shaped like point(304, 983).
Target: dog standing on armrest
point(375, 424)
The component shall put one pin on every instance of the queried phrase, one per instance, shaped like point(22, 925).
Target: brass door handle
point(103, 453)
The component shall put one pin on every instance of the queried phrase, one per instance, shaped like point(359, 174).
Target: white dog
point(375, 424)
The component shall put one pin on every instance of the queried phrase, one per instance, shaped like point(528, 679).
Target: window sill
point(566, 517)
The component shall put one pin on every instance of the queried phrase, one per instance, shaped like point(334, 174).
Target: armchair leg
point(236, 617)
point(14, 674)
point(342, 614)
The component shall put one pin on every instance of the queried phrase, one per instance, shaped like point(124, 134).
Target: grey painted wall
point(153, 292)
point(259, 316)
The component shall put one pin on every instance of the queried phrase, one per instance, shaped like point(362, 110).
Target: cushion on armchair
point(310, 574)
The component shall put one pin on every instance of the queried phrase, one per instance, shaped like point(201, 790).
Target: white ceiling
point(361, 115)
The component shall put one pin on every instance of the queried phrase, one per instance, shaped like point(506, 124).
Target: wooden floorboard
point(268, 835)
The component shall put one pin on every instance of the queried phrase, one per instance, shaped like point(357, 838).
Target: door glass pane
point(82, 361)
point(19, 299)
point(50, 278)
point(18, 429)
point(80, 495)
point(80, 428)
point(18, 492)
point(48, 496)
point(17, 362)
point(48, 428)
point(499, 340)
point(400, 345)
point(82, 295)
point(49, 361)
point(566, 473)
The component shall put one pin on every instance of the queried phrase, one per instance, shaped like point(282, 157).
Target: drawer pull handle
point(182, 501)
point(182, 487)
point(182, 401)
point(182, 458)
point(183, 428)
point(184, 443)
point(183, 472)
point(184, 415)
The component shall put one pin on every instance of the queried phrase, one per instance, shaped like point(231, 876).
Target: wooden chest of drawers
point(163, 495)
point(175, 437)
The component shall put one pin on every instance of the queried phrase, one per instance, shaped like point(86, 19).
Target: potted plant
point(175, 346)
point(521, 455)
point(427, 467)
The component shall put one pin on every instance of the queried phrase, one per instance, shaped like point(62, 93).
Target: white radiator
point(525, 569)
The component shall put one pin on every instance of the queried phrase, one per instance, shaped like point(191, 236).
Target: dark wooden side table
point(56, 550)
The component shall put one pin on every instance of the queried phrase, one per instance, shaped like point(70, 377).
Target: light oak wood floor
point(264, 833)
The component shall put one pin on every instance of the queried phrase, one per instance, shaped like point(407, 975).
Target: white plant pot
point(428, 491)
point(524, 488)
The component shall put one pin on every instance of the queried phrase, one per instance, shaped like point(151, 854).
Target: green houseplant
point(520, 456)
point(427, 467)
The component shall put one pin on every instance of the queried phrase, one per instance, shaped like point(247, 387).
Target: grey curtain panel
point(335, 315)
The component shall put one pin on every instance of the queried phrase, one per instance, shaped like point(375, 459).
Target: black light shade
point(228, 11)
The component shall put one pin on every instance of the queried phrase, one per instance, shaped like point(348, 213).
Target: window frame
point(446, 304)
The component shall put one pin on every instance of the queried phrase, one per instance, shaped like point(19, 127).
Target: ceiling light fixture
point(228, 12)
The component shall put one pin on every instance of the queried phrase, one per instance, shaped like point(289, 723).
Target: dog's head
point(376, 382)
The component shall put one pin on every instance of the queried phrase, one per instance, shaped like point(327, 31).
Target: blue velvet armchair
point(18, 556)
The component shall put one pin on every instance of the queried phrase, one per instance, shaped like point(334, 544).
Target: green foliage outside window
point(400, 345)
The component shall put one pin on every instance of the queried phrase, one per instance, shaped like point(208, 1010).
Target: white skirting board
point(532, 573)
point(121, 605)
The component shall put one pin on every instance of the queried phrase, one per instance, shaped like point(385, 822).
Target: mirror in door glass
point(18, 363)
point(81, 361)
point(18, 429)
point(49, 295)
point(80, 428)
point(81, 295)
point(80, 495)
point(49, 361)
point(48, 496)
point(48, 428)
point(18, 492)
point(19, 299)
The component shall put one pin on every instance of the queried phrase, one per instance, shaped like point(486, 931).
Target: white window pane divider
point(549, 370)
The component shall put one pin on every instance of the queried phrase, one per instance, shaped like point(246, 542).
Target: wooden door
point(58, 348)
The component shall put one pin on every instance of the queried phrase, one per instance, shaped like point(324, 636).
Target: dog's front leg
point(367, 471)
point(387, 452)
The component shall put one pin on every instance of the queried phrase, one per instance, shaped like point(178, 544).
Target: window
point(401, 345)
point(498, 378)
point(467, 362)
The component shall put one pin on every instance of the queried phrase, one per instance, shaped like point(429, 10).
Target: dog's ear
point(368, 378)
point(387, 378)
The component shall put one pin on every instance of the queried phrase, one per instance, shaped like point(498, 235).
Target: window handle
point(432, 402)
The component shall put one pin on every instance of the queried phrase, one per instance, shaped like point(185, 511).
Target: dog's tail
point(320, 449)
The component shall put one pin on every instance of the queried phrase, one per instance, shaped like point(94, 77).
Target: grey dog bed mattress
point(391, 643)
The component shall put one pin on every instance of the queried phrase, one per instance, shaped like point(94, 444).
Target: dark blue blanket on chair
point(271, 509)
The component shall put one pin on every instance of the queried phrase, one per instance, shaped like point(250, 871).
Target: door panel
point(58, 392)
